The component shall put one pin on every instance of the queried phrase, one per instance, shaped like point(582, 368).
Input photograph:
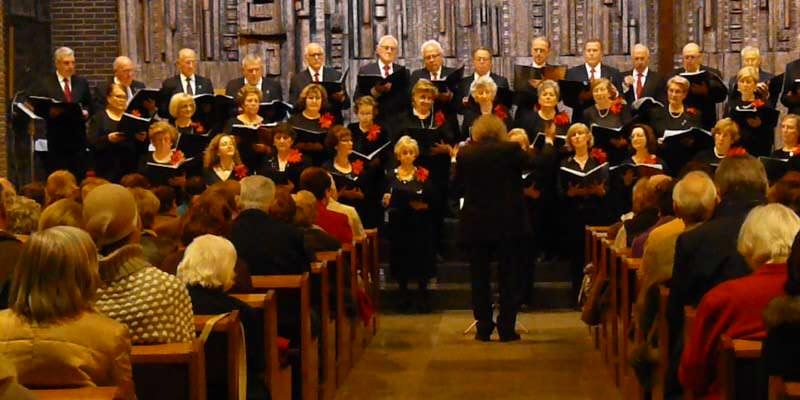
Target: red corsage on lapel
point(294, 157)
point(616, 106)
point(421, 174)
point(758, 103)
point(240, 170)
point(176, 158)
point(438, 118)
point(373, 133)
point(651, 160)
point(691, 111)
point(736, 151)
point(136, 113)
point(357, 167)
point(599, 155)
point(326, 121)
point(198, 128)
point(561, 119)
point(500, 111)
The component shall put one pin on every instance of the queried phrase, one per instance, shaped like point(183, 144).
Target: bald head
point(692, 57)
point(694, 197)
point(640, 55)
point(124, 70)
point(187, 61)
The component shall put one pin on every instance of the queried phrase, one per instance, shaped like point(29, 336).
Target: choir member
point(252, 145)
point(726, 138)
point(584, 197)
point(346, 174)
point(125, 75)
point(705, 94)
point(643, 149)
point(286, 164)
point(392, 98)
point(318, 72)
point(757, 127)
point(312, 122)
point(181, 109)
point(641, 81)
point(592, 68)
point(186, 81)
point(527, 94)
point(434, 70)
point(154, 164)
point(790, 134)
point(751, 57)
point(675, 116)
point(482, 66)
point(790, 91)
point(608, 111)
point(221, 161)
point(66, 132)
point(409, 199)
point(253, 75)
point(483, 92)
point(115, 153)
point(368, 138)
point(546, 114)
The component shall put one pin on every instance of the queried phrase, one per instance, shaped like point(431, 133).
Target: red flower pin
point(373, 133)
point(294, 157)
point(136, 113)
point(240, 170)
point(198, 128)
point(736, 151)
point(357, 166)
point(616, 106)
point(438, 119)
point(421, 174)
point(758, 103)
point(500, 111)
point(691, 111)
point(326, 120)
point(176, 158)
point(651, 160)
point(599, 155)
point(561, 119)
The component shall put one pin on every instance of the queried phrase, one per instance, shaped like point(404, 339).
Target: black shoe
point(483, 337)
point(510, 338)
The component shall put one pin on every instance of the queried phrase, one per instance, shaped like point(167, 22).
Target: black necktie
point(189, 90)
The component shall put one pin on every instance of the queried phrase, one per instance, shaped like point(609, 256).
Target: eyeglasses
point(314, 55)
point(433, 56)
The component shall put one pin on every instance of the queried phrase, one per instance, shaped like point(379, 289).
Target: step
point(457, 296)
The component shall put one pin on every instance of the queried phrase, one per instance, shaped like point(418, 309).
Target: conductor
point(489, 173)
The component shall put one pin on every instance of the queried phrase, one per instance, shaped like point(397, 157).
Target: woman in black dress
point(546, 115)
point(346, 174)
point(643, 162)
point(115, 154)
point(286, 163)
point(755, 116)
point(676, 117)
point(726, 139)
point(164, 165)
point(790, 134)
point(483, 92)
point(609, 111)
point(221, 161)
point(253, 146)
point(369, 137)
point(409, 199)
point(312, 123)
point(584, 198)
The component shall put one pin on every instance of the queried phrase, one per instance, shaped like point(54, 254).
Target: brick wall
point(91, 28)
point(3, 92)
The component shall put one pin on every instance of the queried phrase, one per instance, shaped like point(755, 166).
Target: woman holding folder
point(311, 124)
point(755, 116)
point(346, 174)
point(286, 163)
point(252, 139)
point(164, 165)
point(609, 111)
point(115, 153)
point(221, 161)
point(675, 121)
point(483, 92)
point(371, 146)
point(545, 117)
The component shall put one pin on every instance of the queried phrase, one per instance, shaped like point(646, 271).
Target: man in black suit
point(707, 255)
point(489, 174)
point(702, 96)
point(392, 99)
point(253, 75)
point(591, 69)
point(527, 93)
point(66, 134)
point(751, 57)
point(184, 82)
point(790, 90)
point(124, 74)
point(317, 72)
point(481, 65)
point(434, 70)
point(641, 81)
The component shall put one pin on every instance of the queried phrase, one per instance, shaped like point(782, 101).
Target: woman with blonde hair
point(726, 139)
point(790, 135)
point(755, 115)
point(52, 323)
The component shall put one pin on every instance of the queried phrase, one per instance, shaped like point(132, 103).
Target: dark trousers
point(508, 255)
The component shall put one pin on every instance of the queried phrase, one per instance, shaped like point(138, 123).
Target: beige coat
point(90, 350)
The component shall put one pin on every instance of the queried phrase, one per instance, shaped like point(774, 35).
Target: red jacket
point(336, 224)
point(733, 308)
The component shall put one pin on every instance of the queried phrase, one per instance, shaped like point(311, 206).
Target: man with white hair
point(66, 134)
point(751, 57)
point(705, 94)
point(433, 69)
point(641, 81)
point(125, 75)
point(392, 97)
point(185, 81)
point(317, 72)
point(253, 75)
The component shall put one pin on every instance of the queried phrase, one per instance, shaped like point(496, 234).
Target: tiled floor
point(428, 357)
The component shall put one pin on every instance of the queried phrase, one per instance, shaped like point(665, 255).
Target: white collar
point(643, 73)
point(258, 84)
point(534, 65)
point(597, 69)
point(488, 75)
point(61, 78)
point(312, 72)
point(184, 77)
point(381, 65)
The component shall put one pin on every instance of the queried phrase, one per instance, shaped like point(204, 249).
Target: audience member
point(786, 191)
point(353, 218)
point(52, 333)
point(10, 248)
point(89, 183)
point(35, 192)
point(166, 222)
point(155, 247)
point(782, 316)
point(316, 181)
point(8, 192)
point(135, 180)
point(61, 184)
point(666, 213)
point(65, 212)
point(23, 216)
point(133, 291)
point(314, 237)
point(10, 389)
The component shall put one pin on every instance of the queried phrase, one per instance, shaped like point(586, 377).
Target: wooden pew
point(374, 276)
point(592, 238)
point(309, 361)
point(663, 344)
point(84, 393)
point(358, 330)
point(335, 260)
point(738, 371)
point(791, 391)
point(628, 268)
point(327, 382)
point(236, 373)
point(190, 355)
point(278, 377)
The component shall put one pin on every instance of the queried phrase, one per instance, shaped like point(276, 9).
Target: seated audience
point(314, 237)
point(155, 247)
point(65, 212)
point(207, 270)
point(317, 181)
point(61, 184)
point(133, 291)
point(353, 218)
point(89, 183)
point(52, 333)
point(781, 348)
point(283, 207)
point(10, 248)
point(35, 192)
point(734, 308)
point(666, 213)
point(645, 211)
point(10, 389)
point(786, 191)
point(135, 180)
point(166, 222)
point(8, 192)
point(23, 216)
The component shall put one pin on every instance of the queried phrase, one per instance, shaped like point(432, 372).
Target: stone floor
point(428, 357)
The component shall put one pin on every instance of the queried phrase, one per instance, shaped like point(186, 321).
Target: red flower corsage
point(326, 120)
point(691, 111)
point(176, 158)
point(136, 113)
point(240, 170)
point(438, 119)
point(357, 166)
point(421, 174)
point(373, 133)
point(500, 111)
point(616, 107)
point(758, 103)
point(561, 119)
point(736, 151)
point(198, 128)
point(294, 157)
point(651, 160)
point(599, 155)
